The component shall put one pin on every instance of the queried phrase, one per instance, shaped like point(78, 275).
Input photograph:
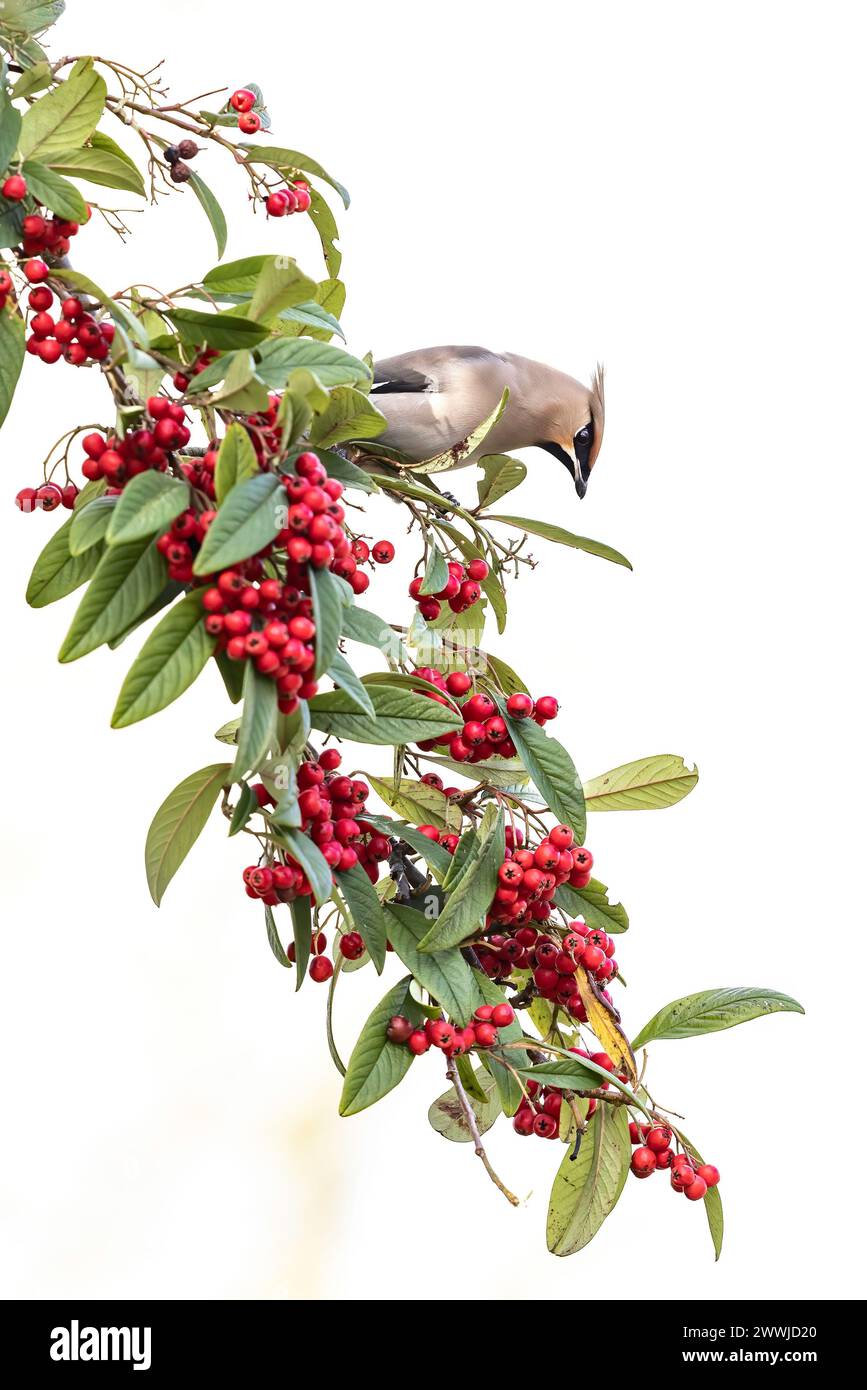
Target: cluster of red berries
point(539, 1111)
point(453, 1041)
point(485, 733)
point(295, 197)
point(39, 230)
point(243, 101)
point(462, 589)
point(119, 460)
point(75, 334)
point(46, 498)
point(203, 358)
point(332, 808)
point(360, 553)
point(654, 1152)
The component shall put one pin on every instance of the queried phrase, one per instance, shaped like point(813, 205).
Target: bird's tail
point(597, 410)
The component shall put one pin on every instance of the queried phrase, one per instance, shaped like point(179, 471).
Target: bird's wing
point(428, 369)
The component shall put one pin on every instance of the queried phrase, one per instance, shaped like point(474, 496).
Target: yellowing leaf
point(603, 1020)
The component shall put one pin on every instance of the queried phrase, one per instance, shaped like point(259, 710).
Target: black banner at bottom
point(157, 1339)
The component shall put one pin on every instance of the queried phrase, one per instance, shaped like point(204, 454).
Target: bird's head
point(579, 420)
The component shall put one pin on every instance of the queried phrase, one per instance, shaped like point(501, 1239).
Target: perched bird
point(433, 399)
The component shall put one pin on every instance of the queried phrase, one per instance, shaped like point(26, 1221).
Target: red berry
point(25, 500)
point(663, 1158)
point(276, 205)
point(545, 1125)
point(383, 552)
point(430, 831)
point(441, 1034)
point(478, 570)
point(399, 1029)
point(242, 100)
point(643, 1161)
point(70, 492)
point(249, 122)
point(458, 683)
point(519, 705)
point(49, 497)
point(36, 271)
point(503, 1015)
point(523, 1120)
point(72, 309)
point(486, 1034)
point(592, 958)
point(547, 707)
point(351, 945)
point(418, 1042)
point(658, 1138)
point(41, 298)
point(709, 1173)
point(15, 188)
point(321, 969)
point(696, 1190)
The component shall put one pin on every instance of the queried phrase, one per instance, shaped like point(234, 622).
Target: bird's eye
point(583, 435)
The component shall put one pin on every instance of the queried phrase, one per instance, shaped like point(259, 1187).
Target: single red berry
point(15, 188)
point(478, 570)
point(70, 492)
point(547, 707)
point(36, 271)
point(382, 552)
point(441, 1034)
point(351, 945)
point(592, 958)
point(276, 205)
point(519, 705)
point(523, 1120)
point(321, 969)
point(417, 1042)
point(503, 1015)
point(399, 1029)
point(486, 1034)
point(41, 298)
point(696, 1190)
point(25, 500)
point(249, 122)
point(49, 497)
point(242, 100)
point(709, 1174)
point(663, 1158)
point(634, 1133)
point(658, 1138)
point(643, 1161)
point(430, 831)
point(545, 1125)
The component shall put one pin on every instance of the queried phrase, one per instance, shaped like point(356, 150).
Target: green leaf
point(109, 167)
point(713, 1208)
point(127, 579)
point(10, 131)
point(199, 328)
point(290, 160)
point(458, 452)
point(213, 211)
point(178, 824)
point(89, 524)
point(323, 220)
point(274, 938)
point(279, 285)
point(501, 475)
point(147, 505)
point(57, 572)
point(507, 680)
point(343, 675)
point(436, 574)
point(312, 861)
point(64, 118)
point(54, 191)
point(712, 1010)
point(552, 771)
point(11, 356)
point(349, 474)
point(232, 673)
point(247, 521)
point(30, 17)
point(328, 605)
point(418, 802)
point(302, 931)
point(332, 365)
point(592, 904)
point(32, 80)
point(311, 315)
point(235, 277)
point(648, 784)
point(236, 461)
point(377, 1065)
point(576, 1074)
point(360, 625)
point(366, 911)
point(446, 1114)
point(556, 533)
point(587, 1188)
point(173, 656)
point(246, 806)
point(401, 717)
point(350, 415)
point(470, 898)
point(258, 722)
point(444, 974)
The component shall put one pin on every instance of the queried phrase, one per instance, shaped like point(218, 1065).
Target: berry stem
point(472, 1125)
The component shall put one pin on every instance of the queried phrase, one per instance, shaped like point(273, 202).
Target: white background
point(678, 191)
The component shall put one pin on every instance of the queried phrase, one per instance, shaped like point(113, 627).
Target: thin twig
point(472, 1125)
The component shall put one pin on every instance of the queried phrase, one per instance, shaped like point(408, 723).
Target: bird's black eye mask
point(583, 445)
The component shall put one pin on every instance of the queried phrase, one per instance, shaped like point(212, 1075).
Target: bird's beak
point(580, 482)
